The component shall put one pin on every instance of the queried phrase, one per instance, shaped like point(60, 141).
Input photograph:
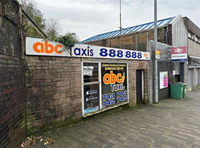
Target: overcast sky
point(87, 18)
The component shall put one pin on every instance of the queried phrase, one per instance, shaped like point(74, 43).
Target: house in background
point(193, 45)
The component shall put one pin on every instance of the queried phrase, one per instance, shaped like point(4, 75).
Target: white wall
point(179, 32)
point(193, 48)
point(177, 68)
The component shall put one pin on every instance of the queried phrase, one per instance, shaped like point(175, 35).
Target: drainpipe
point(136, 45)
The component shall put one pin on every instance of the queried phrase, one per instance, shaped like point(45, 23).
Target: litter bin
point(176, 90)
point(184, 88)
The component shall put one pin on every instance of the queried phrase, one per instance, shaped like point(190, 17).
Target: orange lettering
point(118, 76)
point(106, 79)
point(146, 55)
point(56, 49)
point(112, 78)
point(35, 47)
point(47, 46)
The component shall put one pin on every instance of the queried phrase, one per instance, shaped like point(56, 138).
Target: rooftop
point(127, 30)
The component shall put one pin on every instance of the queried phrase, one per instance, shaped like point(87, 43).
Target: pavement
point(169, 124)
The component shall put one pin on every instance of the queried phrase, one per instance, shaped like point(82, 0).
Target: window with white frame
point(91, 95)
point(104, 86)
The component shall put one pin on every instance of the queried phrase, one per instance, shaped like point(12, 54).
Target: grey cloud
point(90, 17)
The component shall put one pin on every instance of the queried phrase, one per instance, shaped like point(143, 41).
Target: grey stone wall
point(12, 72)
point(53, 91)
point(12, 78)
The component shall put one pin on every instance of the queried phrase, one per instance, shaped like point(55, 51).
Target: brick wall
point(53, 91)
point(133, 66)
point(12, 101)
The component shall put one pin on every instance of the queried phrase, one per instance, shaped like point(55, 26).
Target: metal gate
point(197, 77)
point(139, 86)
point(190, 78)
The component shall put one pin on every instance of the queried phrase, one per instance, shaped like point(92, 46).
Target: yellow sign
point(157, 52)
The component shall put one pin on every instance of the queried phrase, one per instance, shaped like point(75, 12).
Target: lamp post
point(155, 47)
point(120, 25)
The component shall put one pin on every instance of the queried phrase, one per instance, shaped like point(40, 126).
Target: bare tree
point(52, 27)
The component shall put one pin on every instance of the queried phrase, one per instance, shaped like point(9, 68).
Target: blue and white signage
point(48, 48)
point(83, 50)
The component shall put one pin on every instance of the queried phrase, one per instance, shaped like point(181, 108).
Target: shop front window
point(104, 86)
point(114, 84)
point(91, 87)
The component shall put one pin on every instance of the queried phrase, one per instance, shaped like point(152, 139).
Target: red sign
point(179, 50)
point(179, 54)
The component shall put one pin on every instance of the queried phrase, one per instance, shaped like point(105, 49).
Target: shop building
point(42, 87)
point(68, 85)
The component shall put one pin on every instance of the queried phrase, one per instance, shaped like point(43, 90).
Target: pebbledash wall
point(55, 85)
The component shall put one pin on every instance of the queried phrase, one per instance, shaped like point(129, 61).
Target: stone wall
point(12, 101)
point(12, 78)
point(12, 72)
point(53, 91)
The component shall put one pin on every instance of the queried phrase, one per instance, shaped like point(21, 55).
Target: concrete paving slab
point(169, 124)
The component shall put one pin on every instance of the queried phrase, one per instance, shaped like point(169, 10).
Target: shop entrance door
point(139, 88)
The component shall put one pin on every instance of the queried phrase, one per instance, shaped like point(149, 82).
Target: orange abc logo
point(46, 47)
point(113, 78)
point(146, 55)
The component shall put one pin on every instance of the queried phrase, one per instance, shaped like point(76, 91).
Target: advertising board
point(91, 98)
point(163, 79)
point(114, 84)
point(42, 47)
point(83, 50)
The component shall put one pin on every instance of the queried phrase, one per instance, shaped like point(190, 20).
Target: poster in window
point(88, 70)
point(91, 91)
point(163, 79)
point(91, 98)
point(114, 84)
